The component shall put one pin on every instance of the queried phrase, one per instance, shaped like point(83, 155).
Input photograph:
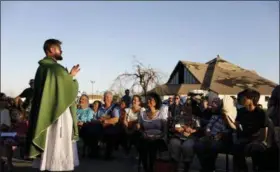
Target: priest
point(53, 132)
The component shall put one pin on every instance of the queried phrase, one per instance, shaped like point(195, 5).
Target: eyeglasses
point(177, 98)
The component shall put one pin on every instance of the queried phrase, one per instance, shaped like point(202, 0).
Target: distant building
point(218, 76)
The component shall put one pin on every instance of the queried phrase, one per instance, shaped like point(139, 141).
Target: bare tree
point(143, 78)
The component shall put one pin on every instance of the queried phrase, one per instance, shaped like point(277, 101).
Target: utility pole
point(92, 82)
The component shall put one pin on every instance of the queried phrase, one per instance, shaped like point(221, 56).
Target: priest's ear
point(51, 45)
point(50, 50)
point(53, 49)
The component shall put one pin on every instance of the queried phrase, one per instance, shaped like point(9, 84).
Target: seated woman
point(84, 113)
point(122, 107)
point(84, 116)
point(95, 108)
point(206, 113)
point(215, 139)
point(153, 129)
point(129, 123)
point(20, 126)
point(182, 131)
point(121, 138)
point(5, 126)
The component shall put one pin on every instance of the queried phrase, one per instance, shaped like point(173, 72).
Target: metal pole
point(92, 89)
point(92, 82)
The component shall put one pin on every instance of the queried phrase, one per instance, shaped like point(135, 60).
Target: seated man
point(182, 129)
point(215, 139)
point(108, 116)
point(252, 131)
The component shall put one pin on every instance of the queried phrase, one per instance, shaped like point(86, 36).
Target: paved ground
point(120, 164)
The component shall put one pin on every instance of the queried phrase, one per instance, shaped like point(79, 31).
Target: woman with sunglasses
point(176, 108)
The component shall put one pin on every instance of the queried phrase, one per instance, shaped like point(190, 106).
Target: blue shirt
point(84, 115)
point(112, 111)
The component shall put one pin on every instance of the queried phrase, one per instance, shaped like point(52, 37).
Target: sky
point(103, 37)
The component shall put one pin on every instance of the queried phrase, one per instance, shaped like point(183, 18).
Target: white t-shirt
point(164, 111)
point(131, 116)
point(5, 117)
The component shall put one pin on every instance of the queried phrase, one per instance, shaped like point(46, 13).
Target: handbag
point(148, 136)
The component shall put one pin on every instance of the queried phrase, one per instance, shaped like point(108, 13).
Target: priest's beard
point(58, 57)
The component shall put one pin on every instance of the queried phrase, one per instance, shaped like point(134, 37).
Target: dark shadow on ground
point(119, 164)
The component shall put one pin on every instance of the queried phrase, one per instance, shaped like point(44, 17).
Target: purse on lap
point(153, 135)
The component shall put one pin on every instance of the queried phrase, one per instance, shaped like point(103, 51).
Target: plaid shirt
point(216, 125)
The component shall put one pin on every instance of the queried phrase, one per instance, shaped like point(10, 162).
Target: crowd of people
point(202, 126)
point(49, 123)
point(14, 118)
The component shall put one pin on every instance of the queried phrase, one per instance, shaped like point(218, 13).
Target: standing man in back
point(28, 95)
point(53, 123)
point(127, 98)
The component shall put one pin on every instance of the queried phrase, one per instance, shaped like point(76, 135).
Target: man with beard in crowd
point(53, 121)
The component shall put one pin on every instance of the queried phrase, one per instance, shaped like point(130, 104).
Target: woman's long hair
point(96, 101)
point(17, 111)
point(140, 99)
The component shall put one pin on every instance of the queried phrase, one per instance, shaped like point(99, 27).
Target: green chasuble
point(54, 92)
